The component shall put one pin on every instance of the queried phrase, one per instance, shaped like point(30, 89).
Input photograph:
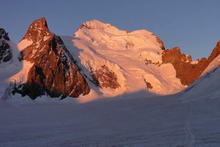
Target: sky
point(193, 25)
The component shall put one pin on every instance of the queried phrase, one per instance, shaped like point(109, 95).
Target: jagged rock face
point(186, 70)
point(148, 84)
point(54, 71)
point(105, 78)
point(215, 52)
point(5, 50)
point(3, 34)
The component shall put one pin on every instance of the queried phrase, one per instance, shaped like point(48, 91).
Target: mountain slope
point(205, 87)
point(9, 64)
point(117, 59)
point(135, 58)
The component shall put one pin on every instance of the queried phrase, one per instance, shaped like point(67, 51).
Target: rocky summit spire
point(54, 71)
point(37, 30)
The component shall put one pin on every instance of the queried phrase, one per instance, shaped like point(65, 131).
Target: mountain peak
point(40, 23)
point(94, 24)
point(38, 28)
point(53, 70)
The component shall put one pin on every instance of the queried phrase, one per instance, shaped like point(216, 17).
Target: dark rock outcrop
point(54, 71)
point(105, 78)
point(4, 35)
point(5, 50)
point(148, 84)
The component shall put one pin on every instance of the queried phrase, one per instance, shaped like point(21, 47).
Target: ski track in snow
point(190, 138)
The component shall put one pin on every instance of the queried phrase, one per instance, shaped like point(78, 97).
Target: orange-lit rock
point(54, 71)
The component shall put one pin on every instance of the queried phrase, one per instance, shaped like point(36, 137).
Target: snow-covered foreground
point(123, 121)
point(190, 118)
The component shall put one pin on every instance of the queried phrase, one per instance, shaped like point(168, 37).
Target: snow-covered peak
point(121, 61)
point(103, 34)
point(99, 26)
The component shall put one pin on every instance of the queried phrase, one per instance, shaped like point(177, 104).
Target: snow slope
point(128, 121)
point(15, 70)
point(215, 63)
point(206, 86)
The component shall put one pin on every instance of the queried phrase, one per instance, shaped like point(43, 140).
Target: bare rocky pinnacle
point(54, 71)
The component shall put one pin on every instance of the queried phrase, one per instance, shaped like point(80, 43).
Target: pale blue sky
point(194, 25)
